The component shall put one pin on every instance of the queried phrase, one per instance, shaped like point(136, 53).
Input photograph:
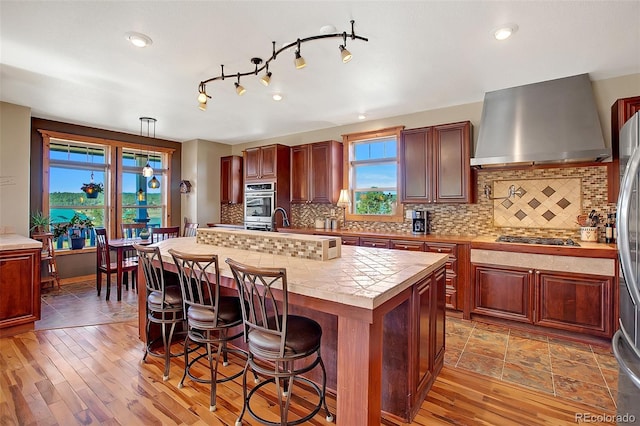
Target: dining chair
point(164, 305)
point(159, 234)
point(211, 319)
point(104, 265)
point(190, 229)
point(281, 346)
point(131, 230)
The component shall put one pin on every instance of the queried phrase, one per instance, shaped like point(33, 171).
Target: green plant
point(39, 222)
point(91, 188)
point(78, 222)
point(60, 229)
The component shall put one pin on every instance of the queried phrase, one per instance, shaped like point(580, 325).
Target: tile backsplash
point(582, 188)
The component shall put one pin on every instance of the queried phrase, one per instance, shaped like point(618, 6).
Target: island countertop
point(17, 242)
point(362, 277)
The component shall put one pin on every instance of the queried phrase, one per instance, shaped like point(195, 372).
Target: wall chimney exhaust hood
point(551, 121)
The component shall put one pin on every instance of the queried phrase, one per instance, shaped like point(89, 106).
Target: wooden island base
point(383, 359)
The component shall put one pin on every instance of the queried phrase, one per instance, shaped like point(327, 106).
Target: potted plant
point(39, 222)
point(78, 227)
point(60, 233)
point(92, 189)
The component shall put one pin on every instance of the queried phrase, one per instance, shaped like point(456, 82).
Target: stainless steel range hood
point(551, 121)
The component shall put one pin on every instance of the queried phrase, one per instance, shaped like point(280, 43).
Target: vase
point(77, 243)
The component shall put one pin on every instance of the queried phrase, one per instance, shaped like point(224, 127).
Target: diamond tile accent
point(521, 192)
point(552, 203)
point(548, 191)
point(563, 203)
point(548, 215)
point(534, 203)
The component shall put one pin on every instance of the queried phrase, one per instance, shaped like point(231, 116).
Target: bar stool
point(164, 305)
point(210, 317)
point(277, 341)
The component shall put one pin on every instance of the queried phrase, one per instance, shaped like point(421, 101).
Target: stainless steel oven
point(259, 203)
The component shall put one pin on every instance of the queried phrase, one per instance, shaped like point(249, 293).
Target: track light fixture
point(299, 62)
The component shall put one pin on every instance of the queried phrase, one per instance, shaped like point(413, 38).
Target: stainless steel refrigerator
point(626, 341)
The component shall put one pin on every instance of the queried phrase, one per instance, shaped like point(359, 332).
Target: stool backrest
point(159, 234)
point(257, 288)
point(153, 267)
point(199, 277)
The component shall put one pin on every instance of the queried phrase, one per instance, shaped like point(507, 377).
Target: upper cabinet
point(266, 163)
point(316, 172)
point(231, 179)
point(435, 164)
point(621, 111)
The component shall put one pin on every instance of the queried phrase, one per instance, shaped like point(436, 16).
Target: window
point(90, 182)
point(372, 178)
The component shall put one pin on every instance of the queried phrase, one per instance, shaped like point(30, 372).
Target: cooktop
point(537, 240)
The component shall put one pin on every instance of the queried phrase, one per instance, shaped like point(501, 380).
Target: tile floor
point(78, 304)
point(570, 370)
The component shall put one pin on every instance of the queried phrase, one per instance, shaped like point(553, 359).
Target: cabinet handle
point(374, 244)
point(531, 271)
point(439, 250)
point(537, 272)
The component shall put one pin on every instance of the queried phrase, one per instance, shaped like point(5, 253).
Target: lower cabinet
point(349, 240)
point(374, 242)
point(19, 290)
point(579, 303)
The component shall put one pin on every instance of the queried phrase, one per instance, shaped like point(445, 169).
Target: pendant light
point(147, 171)
point(154, 183)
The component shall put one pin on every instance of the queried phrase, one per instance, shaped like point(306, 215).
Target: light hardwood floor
point(94, 375)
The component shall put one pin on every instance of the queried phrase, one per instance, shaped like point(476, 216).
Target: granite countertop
point(363, 277)
point(17, 242)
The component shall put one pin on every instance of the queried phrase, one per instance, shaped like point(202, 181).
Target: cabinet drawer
point(374, 242)
point(406, 245)
point(350, 240)
point(442, 248)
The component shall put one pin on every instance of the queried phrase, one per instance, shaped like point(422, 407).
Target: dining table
point(121, 245)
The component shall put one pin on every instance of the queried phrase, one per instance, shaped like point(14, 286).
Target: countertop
point(17, 242)
point(363, 277)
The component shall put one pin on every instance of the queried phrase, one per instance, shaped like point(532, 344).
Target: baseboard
point(73, 280)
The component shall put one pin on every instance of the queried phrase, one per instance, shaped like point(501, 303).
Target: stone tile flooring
point(569, 370)
point(78, 304)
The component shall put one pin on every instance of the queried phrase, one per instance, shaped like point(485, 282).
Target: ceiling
point(70, 61)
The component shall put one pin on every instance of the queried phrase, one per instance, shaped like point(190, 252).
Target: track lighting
point(299, 62)
point(239, 89)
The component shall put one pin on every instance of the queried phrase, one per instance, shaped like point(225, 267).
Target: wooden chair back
point(131, 230)
point(159, 234)
point(102, 250)
point(190, 229)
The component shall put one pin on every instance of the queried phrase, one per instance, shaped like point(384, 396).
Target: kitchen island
point(382, 313)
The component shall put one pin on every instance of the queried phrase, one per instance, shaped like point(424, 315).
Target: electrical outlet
point(408, 214)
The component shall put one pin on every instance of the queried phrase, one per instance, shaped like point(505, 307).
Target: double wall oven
point(259, 203)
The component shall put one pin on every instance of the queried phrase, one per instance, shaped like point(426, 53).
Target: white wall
point(201, 166)
point(15, 151)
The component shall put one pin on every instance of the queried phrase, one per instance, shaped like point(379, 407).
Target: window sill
point(67, 252)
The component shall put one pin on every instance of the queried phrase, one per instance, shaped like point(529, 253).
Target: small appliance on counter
point(419, 222)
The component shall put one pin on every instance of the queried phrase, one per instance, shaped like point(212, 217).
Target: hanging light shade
point(266, 79)
point(141, 195)
point(154, 183)
point(299, 61)
point(346, 55)
point(147, 171)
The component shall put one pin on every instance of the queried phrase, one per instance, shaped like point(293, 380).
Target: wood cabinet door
point(574, 302)
point(451, 162)
point(322, 181)
point(300, 174)
point(451, 270)
point(425, 355)
point(439, 314)
point(503, 292)
point(252, 163)
point(231, 180)
point(268, 162)
point(225, 180)
point(415, 166)
point(19, 287)
point(621, 111)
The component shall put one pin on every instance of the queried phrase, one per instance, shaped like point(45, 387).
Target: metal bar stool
point(164, 305)
point(277, 341)
point(211, 318)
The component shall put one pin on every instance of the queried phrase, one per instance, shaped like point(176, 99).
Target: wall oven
point(259, 203)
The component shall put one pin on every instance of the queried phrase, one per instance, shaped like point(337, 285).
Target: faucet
point(285, 219)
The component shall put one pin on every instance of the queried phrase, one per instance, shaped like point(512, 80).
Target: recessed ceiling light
point(328, 29)
point(138, 39)
point(505, 31)
point(277, 97)
point(361, 116)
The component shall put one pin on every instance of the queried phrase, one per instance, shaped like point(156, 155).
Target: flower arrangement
point(92, 189)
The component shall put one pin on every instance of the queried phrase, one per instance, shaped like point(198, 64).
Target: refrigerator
point(626, 341)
